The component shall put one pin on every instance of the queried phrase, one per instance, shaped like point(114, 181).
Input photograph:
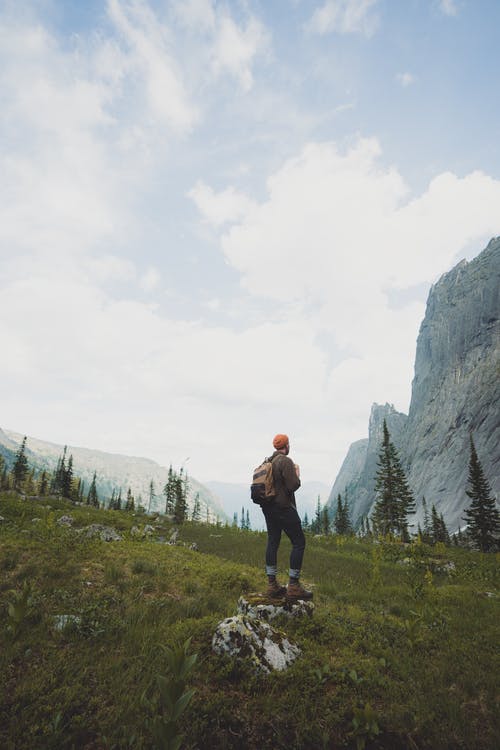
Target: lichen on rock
point(245, 637)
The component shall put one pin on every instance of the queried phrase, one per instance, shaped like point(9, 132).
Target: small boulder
point(173, 537)
point(244, 637)
point(105, 533)
point(36, 520)
point(194, 546)
point(148, 530)
point(264, 608)
point(65, 521)
point(60, 622)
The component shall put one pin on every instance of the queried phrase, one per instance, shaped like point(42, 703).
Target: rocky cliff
point(357, 474)
point(455, 392)
point(456, 387)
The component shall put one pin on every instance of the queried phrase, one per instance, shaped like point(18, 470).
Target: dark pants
point(287, 520)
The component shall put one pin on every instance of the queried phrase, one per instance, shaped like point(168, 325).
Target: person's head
point(281, 444)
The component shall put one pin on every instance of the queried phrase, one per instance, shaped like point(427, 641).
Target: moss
point(423, 660)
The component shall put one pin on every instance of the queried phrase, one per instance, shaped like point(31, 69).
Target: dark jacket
point(285, 480)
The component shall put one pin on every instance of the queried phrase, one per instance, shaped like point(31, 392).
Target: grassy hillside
point(401, 651)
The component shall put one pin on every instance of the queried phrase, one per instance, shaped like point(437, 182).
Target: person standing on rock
point(281, 515)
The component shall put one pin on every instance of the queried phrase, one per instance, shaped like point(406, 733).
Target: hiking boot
point(274, 590)
point(296, 592)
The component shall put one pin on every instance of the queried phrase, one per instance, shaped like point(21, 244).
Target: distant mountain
point(455, 393)
point(235, 496)
point(113, 471)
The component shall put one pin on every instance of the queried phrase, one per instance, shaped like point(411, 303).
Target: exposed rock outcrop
point(455, 392)
point(248, 634)
point(357, 475)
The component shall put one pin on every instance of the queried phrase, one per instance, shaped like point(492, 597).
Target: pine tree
point(129, 504)
point(152, 495)
point(43, 484)
point(427, 530)
point(235, 520)
point(67, 478)
point(196, 514)
point(181, 488)
point(242, 522)
point(29, 483)
point(338, 523)
point(20, 467)
point(482, 515)
point(316, 524)
point(92, 497)
point(305, 522)
point(248, 525)
point(394, 498)
point(169, 491)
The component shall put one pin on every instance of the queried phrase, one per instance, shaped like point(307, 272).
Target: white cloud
point(337, 231)
point(405, 79)
point(235, 48)
point(345, 17)
point(196, 14)
point(148, 40)
point(448, 7)
point(150, 279)
point(227, 206)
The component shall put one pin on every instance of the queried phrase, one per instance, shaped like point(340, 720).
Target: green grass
point(398, 654)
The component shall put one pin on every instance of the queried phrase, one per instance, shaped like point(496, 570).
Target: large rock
point(262, 608)
point(244, 637)
point(455, 392)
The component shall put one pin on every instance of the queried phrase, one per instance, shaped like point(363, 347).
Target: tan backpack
point(262, 489)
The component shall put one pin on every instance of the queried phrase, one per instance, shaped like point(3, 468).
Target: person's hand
point(297, 470)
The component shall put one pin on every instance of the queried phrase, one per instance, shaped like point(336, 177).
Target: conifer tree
point(242, 522)
point(152, 495)
point(394, 498)
point(482, 514)
point(129, 504)
point(20, 467)
point(196, 514)
point(43, 484)
point(67, 478)
point(305, 522)
point(427, 530)
point(29, 483)
point(248, 525)
point(316, 524)
point(235, 520)
point(181, 488)
point(325, 521)
point(92, 497)
point(169, 491)
point(119, 500)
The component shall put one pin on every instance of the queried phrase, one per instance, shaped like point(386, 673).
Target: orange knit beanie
point(280, 441)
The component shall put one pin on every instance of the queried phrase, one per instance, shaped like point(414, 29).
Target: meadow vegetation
point(401, 651)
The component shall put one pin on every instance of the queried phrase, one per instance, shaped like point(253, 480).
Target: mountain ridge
point(455, 393)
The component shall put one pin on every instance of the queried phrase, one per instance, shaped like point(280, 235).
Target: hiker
point(281, 515)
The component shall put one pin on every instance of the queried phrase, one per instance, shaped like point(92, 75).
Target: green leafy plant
point(365, 725)
point(171, 698)
point(19, 609)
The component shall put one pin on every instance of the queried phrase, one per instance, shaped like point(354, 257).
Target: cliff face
point(357, 474)
point(456, 387)
point(455, 391)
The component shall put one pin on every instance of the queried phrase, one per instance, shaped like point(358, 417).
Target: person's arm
point(289, 474)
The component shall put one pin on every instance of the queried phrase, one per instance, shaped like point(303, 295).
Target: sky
point(220, 221)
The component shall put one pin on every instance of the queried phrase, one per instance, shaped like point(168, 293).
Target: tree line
point(63, 482)
point(395, 503)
